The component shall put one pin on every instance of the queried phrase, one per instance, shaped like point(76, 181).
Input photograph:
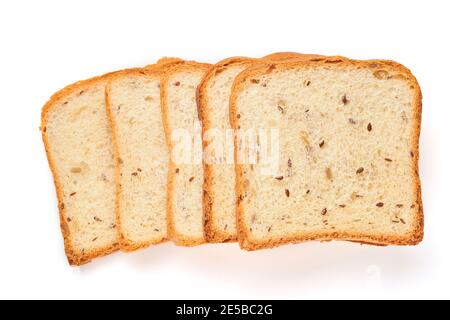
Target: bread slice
point(219, 198)
point(185, 181)
point(77, 139)
point(347, 168)
point(141, 154)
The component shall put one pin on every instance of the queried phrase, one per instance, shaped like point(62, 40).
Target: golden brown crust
point(163, 64)
point(212, 233)
point(185, 66)
point(167, 61)
point(289, 56)
point(73, 257)
point(414, 237)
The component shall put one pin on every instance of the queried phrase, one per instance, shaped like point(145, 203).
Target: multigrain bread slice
point(141, 156)
point(77, 140)
point(348, 153)
point(185, 180)
point(219, 198)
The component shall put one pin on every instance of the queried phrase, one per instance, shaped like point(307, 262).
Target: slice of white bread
point(348, 153)
point(77, 139)
point(141, 154)
point(185, 181)
point(214, 92)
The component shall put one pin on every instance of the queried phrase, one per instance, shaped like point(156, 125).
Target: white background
point(45, 45)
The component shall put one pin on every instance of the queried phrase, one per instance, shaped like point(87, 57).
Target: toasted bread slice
point(185, 181)
point(347, 168)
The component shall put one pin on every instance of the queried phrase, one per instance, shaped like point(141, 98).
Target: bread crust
point(289, 56)
point(73, 257)
point(154, 72)
point(185, 66)
point(412, 238)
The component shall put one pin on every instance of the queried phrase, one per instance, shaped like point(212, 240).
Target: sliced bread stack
point(141, 156)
